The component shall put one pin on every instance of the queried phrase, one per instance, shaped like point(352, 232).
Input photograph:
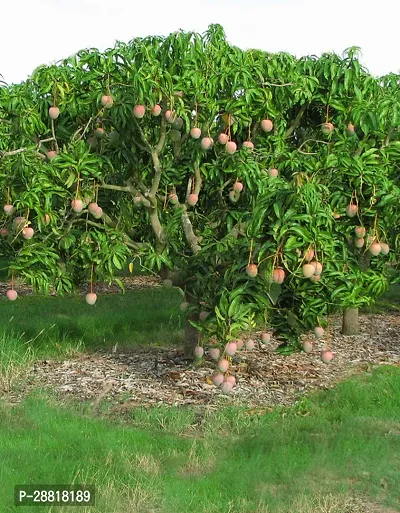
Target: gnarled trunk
point(350, 321)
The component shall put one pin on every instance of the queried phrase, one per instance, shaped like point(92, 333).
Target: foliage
point(133, 165)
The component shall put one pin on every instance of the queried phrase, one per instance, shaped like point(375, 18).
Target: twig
point(278, 85)
point(42, 141)
point(121, 188)
point(54, 135)
point(387, 138)
point(84, 130)
point(129, 242)
point(309, 140)
point(297, 120)
point(13, 152)
point(147, 146)
point(140, 185)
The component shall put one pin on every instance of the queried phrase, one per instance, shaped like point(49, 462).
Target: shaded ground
point(155, 376)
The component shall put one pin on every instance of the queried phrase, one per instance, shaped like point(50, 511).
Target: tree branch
point(297, 120)
point(187, 226)
point(184, 138)
point(42, 141)
point(21, 150)
point(13, 152)
point(158, 229)
point(53, 133)
point(309, 140)
point(177, 146)
point(147, 146)
point(163, 134)
point(135, 245)
point(278, 85)
point(142, 195)
point(157, 175)
point(84, 130)
point(121, 188)
point(192, 239)
point(139, 184)
point(113, 224)
point(144, 200)
point(308, 152)
point(387, 138)
point(144, 148)
point(127, 188)
point(156, 162)
point(198, 181)
point(151, 204)
point(189, 186)
point(109, 222)
point(128, 241)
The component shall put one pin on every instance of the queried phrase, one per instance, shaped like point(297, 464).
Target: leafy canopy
point(130, 166)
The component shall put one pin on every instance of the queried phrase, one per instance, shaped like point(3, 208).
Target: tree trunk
point(191, 336)
point(350, 321)
point(175, 276)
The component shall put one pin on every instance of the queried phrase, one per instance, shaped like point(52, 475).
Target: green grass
point(187, 460)
point(142, 317)
point(17, 353)
point(388, 302)
point(342, 440)
point(3, 269)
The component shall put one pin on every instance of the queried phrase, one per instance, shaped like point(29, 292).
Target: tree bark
point(174, 275)
point(191, 334)
point(191, 337)
point(350, 321)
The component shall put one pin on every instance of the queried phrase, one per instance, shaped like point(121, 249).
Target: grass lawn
point(389, 301)
point(304, 459)
point(142, 317)
point(3, 270)
point(346, 438)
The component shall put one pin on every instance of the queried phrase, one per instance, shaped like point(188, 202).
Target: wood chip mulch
point(156, 376)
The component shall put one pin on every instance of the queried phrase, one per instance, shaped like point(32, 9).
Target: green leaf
point(234, 307)
point(116, 262)
point(277, 211)
point(218, 314)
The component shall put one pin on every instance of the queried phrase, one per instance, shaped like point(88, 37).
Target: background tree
point(241, 175)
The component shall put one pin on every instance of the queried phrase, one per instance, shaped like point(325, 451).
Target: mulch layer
point(265, 378)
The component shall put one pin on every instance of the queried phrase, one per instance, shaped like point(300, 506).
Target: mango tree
point(245, 178)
